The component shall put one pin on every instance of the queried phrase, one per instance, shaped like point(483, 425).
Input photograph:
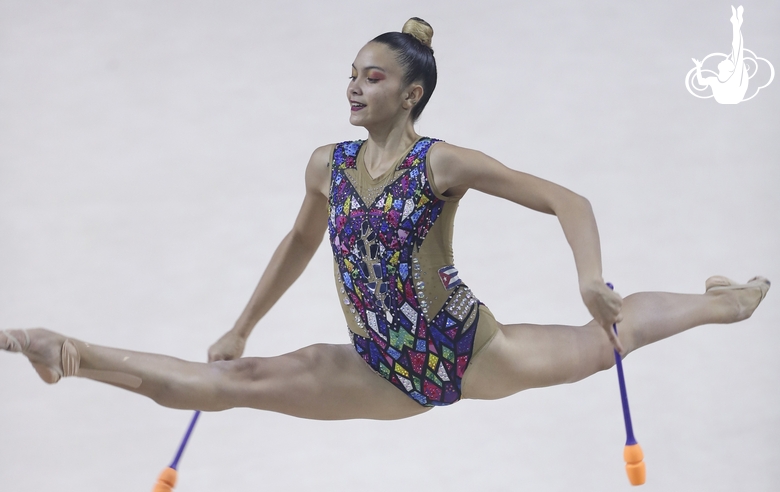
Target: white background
point(152, 157)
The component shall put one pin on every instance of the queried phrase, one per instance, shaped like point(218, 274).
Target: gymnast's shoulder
point(456, 169)
point(318, 169)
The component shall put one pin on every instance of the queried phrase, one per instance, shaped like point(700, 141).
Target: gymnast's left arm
point(455, 170)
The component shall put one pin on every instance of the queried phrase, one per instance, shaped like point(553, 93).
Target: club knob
point(166, 481)
point(635, 466)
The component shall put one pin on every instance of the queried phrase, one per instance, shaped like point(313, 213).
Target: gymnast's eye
point(375, 76)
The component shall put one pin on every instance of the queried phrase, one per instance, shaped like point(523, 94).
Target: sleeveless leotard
point(410, 316)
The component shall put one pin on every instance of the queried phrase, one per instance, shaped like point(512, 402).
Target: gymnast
point(419, 336)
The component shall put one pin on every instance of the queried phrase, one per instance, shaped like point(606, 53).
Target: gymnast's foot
point(52, 355)
point(743, 298)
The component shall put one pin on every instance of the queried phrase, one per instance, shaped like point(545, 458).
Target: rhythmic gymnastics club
point(167, 479)
point(632, 453)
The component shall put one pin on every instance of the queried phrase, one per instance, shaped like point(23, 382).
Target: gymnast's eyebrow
point(372, 67)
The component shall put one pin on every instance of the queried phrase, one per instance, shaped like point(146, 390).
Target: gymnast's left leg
point(528, 356)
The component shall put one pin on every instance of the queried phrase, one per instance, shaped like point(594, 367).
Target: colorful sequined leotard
point(410, 316)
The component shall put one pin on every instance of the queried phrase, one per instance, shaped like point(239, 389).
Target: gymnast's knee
point(599, 354)
point(217, 388)
point(252, 380)
point(603, 360)
point(606, 360)
point(244, 370)
point(264, 369)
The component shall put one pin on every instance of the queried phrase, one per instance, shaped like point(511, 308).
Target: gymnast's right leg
point(325, 382)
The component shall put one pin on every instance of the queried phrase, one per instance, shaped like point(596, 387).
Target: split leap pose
point(420, 337)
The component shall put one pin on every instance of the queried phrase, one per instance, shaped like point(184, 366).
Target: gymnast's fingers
point(230, 346)
point(614, 340)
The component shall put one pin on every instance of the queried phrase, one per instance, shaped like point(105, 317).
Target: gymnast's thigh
point(322, 381)
point(525, 356)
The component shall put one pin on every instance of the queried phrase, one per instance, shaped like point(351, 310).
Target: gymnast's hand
point(229, 347)
point(604, 305)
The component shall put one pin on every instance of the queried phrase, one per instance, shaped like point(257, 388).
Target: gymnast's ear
point(412, 95)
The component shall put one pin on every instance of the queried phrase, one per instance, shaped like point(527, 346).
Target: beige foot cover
point(719, 282)
point(70, 362)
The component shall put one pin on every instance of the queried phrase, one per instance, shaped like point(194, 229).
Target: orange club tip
point(635, 465)
point(166, 481)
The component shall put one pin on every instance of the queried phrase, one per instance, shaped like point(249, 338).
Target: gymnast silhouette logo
point(735, 70)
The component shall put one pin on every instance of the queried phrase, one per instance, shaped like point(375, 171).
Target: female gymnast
point(420, 337)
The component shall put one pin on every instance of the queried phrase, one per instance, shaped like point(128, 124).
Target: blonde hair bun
point(420, 29)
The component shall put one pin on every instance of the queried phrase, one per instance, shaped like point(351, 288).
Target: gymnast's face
point(376, 91)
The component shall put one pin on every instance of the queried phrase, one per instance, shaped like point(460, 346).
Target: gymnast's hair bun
point(420, 29)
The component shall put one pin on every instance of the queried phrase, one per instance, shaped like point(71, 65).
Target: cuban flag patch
point(449, 277)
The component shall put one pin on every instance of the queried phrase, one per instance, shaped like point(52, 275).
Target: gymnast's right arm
point(288, 261)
